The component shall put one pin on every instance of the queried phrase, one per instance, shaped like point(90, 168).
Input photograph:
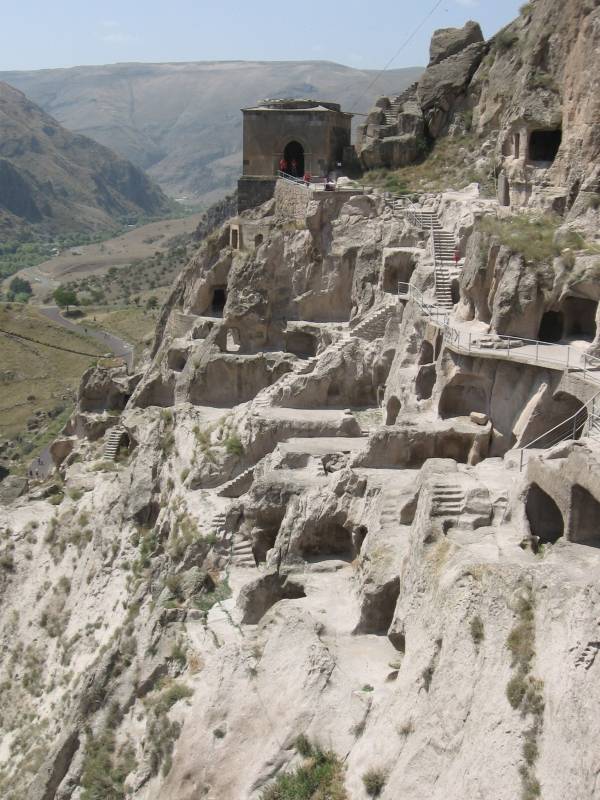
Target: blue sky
point(37, 33)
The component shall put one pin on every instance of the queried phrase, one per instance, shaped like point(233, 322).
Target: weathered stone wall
point(254, 192)
point(291, 200)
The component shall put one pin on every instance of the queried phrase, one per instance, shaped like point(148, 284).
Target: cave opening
point(463, 394)
point(544, 145)
point(233, 341)
point(580, 317)
point(330, 540)
point(584, 522)
point(258, 239)
point(455, 291)
point(393, 409)
point(425, 381)
point(219, 298)
point(396, 271)
point(545, 520)
point(425, 353)
point(301, 344)
point(551, 327)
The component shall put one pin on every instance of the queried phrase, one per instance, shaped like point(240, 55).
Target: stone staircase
point(241, 552)
point(238, 485)
point(265, 398)
point(373, 325)
point(389, 515)
point(448, 499)
point(444, 246)
point(391, 114)
point(113, 440)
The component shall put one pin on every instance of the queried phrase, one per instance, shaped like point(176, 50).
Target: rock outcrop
point(530, 88)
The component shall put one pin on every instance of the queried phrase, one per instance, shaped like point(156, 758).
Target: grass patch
point(524, 691)
point(34, 377)
point(532, 237)
point(442, 168)
point(105, 767)
point(374, 781)
point(233, 445)
point(204, 602)
point(320, 777)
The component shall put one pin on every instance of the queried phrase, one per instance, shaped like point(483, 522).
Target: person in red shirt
point(307, 177)
point(294, 166)
point(283, 165)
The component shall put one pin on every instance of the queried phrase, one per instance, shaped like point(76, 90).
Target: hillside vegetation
point(37, 382)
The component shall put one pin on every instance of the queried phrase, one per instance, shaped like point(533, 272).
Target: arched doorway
point(294, 155)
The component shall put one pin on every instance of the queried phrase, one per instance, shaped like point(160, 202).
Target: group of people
point(292, 168)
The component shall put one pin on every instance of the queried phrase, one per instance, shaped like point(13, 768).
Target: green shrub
point(477, 631)
point(321, 776)
point(303, 746)
point(234, 446)
point(171, 695)
point(506, 39)
point(515, 690)
point(374, 781)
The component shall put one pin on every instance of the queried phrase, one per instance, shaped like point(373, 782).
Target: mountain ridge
point(64, 181)
point(181, 121)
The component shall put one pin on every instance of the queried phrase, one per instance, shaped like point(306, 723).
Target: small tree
point(64, 297)
point(18, 286)
point(152, 303)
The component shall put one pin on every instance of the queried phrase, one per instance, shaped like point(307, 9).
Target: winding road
point(119, 347)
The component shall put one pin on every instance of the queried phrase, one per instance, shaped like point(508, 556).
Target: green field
point(34, 376)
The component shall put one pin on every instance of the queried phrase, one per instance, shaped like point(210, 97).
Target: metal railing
point(516, 348)
point(584, 422)
point(293, 178)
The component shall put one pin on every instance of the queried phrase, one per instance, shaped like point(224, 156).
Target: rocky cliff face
point(530, 88)
point(315, 526)
point(60, 181)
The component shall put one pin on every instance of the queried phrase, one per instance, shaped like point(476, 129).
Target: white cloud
point(111, 32)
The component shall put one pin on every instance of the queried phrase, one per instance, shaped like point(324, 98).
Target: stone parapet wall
point(291, 200)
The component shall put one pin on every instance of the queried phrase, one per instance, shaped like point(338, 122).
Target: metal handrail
point(291, 178)
point(463, 341)
point(577, 422)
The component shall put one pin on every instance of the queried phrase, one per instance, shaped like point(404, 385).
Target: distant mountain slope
point(62, 181)
point(182, 121)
